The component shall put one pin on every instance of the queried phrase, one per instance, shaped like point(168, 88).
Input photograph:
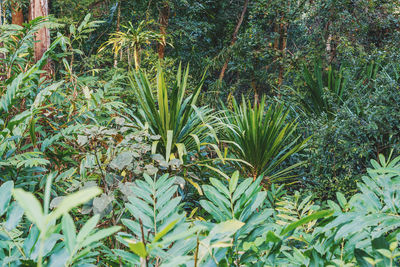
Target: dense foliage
point(200, 133)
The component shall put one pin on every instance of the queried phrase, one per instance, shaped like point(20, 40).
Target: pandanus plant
point(263, 137)
point(181, 125)
point(316, 101)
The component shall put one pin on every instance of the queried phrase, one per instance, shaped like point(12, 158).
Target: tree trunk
point(277, 32)
point(329, 45)
point(40, 8)
point(329, 48)
point(1, 13)
point(17, 14)
point(234, 38)
point(136, 57)
point(163, 20)
point(2, 76)
point(118, 28)
point(283, 44)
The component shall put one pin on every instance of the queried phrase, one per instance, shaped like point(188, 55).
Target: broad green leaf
point(69, 232)
point(59, 258)
point(220, 186)
point(100, 235)
point(164, 231)
point(170, 135)
point(123, 160)
point(5, 196)
point(73, 201)
point(233, 182)
point(230, 226)
point(272, 237)
point(342, 200)
point(361, 257)
point(47, 191)
point(217, 199)
point(138, 248)
point(168, 209)
point(14, 216)
point(241, 188)
point(213, 210)
point(87, 228)
point(31, 206)
point(385, 253)
point(315, 216)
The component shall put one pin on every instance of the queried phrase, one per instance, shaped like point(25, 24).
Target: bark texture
point(163, 20)
point(17, 14)
point(234, 38)
point(2, 76)
point(40, 8)
point(283, 27)
point(118, 29)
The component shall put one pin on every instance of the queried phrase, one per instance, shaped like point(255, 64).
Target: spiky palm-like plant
point(181, 125)
point(133, 39)
point(315, 101)
point(263, 138)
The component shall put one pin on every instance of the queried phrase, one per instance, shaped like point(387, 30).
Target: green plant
point(368, 223)
point(262, 138)
point(242, 201)
point(45, 222)
point(159, 231)
point(133, 38)
point(361, 231)
point(369, 73)
point(182, 126)
point(15, 158)
point(17, 43)
point(316, 101)
point(364, 126)
point(42, 244)
point(263, 233)
point(11, 249)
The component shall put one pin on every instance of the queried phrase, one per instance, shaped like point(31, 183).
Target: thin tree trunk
point(118, 28)
point(40, 8)
point(136, 58)
point(1, 13)
point(129, 58)
point(283, 44)
point(2, 56)
point(277, 32)
point(234, 38)
point(329, 48)
point(253, 85)
point(163, 20)
point(16, 13)
point(329, 45)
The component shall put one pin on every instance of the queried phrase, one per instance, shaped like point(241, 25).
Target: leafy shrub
point(237, 221)
point(315, 101)
point(159, 231)
point(43, 243)
point(364, 229)
point(341, 147)
point(264, 140)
